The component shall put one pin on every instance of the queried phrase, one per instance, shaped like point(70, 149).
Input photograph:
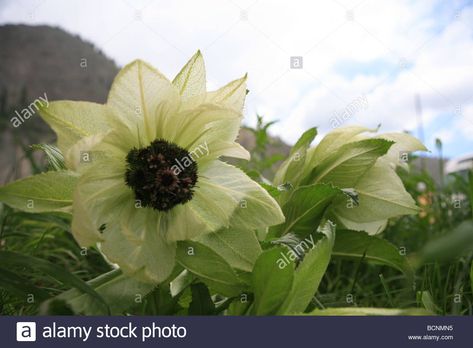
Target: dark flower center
point(162, 175)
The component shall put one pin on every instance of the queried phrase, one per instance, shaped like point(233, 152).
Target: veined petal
point(135, 95)
point(191, 81)
point(79, 154)
point(149, 257)
point(185, 222)
point(83, 227)
point(227, 149)
point(227, 196)
point(73, 120)
point(333, 141)
point(231, 95)
point(404, 143)
point(206, 124)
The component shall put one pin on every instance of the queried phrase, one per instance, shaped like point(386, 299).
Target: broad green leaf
point(309, 273)
point(238, 246)
point(358, 245)
point(20, 287)
point(291, 169)
point(272, 280)
point(346, 166)
point(53, 155)
point(381, 196)
point(119, 291)
point(209, 267)
point(202, 303)
point(451, 246)
point(10, 259)
point(363, 311)
point(45, 192)
point(73, 120)
point(305, 209)
point(231, 95)
point(191, 80)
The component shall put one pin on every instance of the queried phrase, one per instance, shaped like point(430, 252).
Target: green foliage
point(353, 245)
point(45, 192)
point(418, 263)
point(209, 267)
point(310, 272)
point(272, 281)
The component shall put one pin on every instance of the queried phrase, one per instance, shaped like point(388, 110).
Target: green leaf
point(451, 246)
point(428, 302)
point(305, 209)
point(291, 169)
point(381, 195)
point(53, 154)
point(119, 291)
point(365, 311)
point(12, 259)
point(46, 192)
point(347, 165)
point(20, 287)
point(209, 267)
point(309, 273)
point(272, 279)
point(238, 246)
point(202, 303)
point(471, 275)
point(358, 245)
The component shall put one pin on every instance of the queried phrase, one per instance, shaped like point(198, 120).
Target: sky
point(310, 63)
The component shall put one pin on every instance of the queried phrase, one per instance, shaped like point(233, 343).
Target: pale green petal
point(231, 95)
point(191, 81)
point(227, 149)
point(207, 124)
point(224, 196)
point(188, 221)
point(404, 142)
point(136, 94)
point(332, 142)
point(381, 196)
point(238, 246)
point(80, 154)
point(73, 120)
point(136, 242)
point(134, 237)
point(372, 228)
point(344, 167)
point(84, 229)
